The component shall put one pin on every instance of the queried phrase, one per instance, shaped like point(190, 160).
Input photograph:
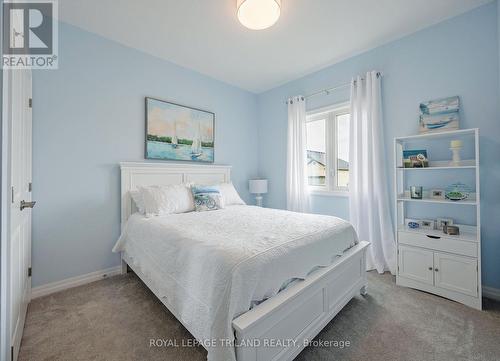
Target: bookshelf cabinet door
point(456, 273)
point(416, 264)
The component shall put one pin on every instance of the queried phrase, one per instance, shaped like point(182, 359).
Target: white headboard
point(138, 174)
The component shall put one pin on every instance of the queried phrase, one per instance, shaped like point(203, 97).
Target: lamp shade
point(258, 14)
point(257, 186)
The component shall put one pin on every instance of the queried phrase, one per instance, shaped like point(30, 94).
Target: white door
point(456, 273)
point(20, 211)
point(416, 264)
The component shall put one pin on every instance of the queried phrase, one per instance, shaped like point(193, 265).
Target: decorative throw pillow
point(139, 203)
point(207, 198)
point(230, 194)
point(160, 200)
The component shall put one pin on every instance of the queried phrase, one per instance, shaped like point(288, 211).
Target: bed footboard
point(281, 327)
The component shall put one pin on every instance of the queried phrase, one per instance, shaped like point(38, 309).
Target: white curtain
point(297, 196)
point(368, 182)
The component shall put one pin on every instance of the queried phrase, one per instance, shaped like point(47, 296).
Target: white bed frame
point(279, 328)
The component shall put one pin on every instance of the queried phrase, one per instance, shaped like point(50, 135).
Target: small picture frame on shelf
point(413, 223)
point(427, 224)
point(437, 194)
point(441, 222)
point(416, 192)
point(415, 158)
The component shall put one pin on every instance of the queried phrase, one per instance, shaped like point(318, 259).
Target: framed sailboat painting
point(178, 132)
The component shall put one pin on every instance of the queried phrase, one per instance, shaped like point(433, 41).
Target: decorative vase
point(456, 147)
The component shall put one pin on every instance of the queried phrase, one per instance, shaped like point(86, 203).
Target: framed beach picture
point(177, 132)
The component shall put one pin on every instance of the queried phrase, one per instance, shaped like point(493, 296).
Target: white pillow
point(230, 194)
point(159, 200)
point(139, 202)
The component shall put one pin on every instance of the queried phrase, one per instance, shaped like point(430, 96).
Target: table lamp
point(258, 187)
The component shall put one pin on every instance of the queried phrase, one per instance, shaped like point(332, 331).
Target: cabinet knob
point(430, 268)
point(435, 269)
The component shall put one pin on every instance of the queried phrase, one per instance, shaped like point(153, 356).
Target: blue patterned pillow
point(207, 198)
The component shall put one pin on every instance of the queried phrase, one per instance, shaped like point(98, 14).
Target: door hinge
point(30, 103)
point(30, 187)
point(12, 194)
point(29, 272)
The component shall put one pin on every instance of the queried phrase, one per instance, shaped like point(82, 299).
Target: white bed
point(209, 268)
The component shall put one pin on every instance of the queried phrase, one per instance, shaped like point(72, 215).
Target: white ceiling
point(205, 35)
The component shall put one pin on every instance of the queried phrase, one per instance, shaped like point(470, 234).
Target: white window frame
point(331, 112)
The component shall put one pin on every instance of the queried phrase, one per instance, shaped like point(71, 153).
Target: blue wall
point(88, 116)
point(456, 57)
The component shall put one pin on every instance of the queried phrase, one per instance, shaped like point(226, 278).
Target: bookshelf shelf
point(438, 135)
point(444, 164)
point(467, 202)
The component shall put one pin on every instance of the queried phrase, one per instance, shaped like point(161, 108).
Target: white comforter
point(210, 266)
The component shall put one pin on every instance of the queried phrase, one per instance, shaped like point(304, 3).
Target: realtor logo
point(30, 35)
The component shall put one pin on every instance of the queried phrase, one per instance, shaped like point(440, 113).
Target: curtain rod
point(327, 91)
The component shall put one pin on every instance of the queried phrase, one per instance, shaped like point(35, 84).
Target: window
point(328, 149)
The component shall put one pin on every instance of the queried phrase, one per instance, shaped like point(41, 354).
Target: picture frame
point(440, 222)
point(415, 158)
point(427, 224)
point(439, 115)
point(178, 132)
point(416, 192)
point(437, 194)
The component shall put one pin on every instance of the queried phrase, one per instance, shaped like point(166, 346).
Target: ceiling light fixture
point(258, 14)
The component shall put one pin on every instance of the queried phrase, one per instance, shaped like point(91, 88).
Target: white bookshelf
point(428, 259)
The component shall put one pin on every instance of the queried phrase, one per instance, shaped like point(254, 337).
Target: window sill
point(329, 193)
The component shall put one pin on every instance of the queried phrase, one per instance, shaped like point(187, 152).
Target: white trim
point(326, 193)
point(328, 108)
point(5, 218)
point(329, 114)
point(53, 287)
point(491, 293)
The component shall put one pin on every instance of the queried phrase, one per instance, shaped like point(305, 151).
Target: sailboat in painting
point(196, 150)
point(174, 141)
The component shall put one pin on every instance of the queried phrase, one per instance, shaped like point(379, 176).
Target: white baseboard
point(490, 292)
point(52, 287)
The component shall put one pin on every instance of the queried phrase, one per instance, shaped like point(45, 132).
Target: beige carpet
point(115, 319)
